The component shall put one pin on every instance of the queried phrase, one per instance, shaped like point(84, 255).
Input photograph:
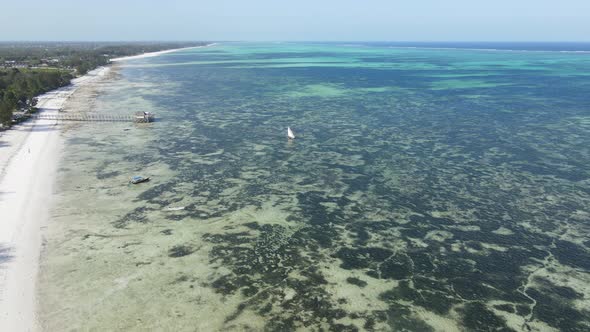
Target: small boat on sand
point(290, 133)
point(139, 179)
point(178, 208)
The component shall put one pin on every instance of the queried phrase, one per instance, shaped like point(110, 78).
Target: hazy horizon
point(265, 20)
point(290, 41)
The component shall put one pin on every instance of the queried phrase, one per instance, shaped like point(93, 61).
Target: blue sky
point(368, 20)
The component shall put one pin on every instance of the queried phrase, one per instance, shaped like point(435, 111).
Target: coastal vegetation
point(18, 88)
point(30, 69)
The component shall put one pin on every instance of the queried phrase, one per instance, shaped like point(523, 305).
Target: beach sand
point(153, 54)
point(29, 155)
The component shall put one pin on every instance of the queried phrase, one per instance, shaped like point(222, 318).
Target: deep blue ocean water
point(504, 46)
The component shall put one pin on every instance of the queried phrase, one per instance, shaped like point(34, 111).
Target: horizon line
point(289, 41)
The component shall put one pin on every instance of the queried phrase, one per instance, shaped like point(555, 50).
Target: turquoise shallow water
point(427, 189)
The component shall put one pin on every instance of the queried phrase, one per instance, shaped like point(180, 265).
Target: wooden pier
point(139, 117)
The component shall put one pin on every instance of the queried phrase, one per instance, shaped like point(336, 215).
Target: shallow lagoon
point(427, 189)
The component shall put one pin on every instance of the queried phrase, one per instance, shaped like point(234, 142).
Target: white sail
point(290, 133)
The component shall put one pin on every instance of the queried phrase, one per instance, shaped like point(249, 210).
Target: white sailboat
point(290, 133)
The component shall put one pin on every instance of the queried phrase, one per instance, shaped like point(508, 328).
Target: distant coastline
point(153, 54)
point(28, 70)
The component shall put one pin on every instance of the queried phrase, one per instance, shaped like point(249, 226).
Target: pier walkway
point(92, 117)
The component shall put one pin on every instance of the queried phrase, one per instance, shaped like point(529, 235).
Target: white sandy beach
point(153, 54)
point(29, 155)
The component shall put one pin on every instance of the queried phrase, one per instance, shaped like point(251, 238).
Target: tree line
point(30, 69)
point(19, 87)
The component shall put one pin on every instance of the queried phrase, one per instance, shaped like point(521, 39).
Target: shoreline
point(153, 54)
point(29, 156)
point(30, 153)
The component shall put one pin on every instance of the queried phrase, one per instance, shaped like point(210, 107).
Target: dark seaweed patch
point(249, 291)
point(554, 306)
point(564, 292)
point(156, 191)
point(435, 301)
point(230, 283)
point(477, 317)
point(467, 289)
point(558, 312)
point(523, 310)
point(180, 251)
point(398, 266)
point(272, 254)
point(422, 262)
point(400, 318)
point(233, 238)
point(572, 254)
point(356, 281)
point(361, 257)
point(287, 324)
point(138, 215)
